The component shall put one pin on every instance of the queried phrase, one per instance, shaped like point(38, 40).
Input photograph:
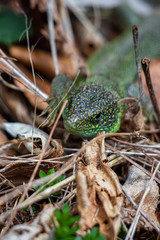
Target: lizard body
point(94, 106)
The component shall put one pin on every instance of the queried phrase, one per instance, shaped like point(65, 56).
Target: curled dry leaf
point(135, 186)
point(19, 172)
point(132, 119)
point(99, 195)
point(55, 150)
point(14, 105)
point(40, 228)
point(26, 131)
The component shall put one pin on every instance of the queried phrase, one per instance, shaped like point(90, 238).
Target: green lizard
point(94, 106)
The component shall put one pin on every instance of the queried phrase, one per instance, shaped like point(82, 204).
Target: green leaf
point(42, 174)
point(66, 230)
point(94, 235)
point(66, 209)
point(58, 179)
point(122, 233)
point(51, 171)
point(11, 26)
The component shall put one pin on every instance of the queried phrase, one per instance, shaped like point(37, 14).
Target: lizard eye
point(98, 116)
point(95, 118)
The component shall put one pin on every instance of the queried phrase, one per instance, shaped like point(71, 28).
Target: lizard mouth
point(69, 126)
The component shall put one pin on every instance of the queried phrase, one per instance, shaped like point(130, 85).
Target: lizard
point(94, 106)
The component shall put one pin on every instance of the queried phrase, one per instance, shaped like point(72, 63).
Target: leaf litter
point(91, 186)
point(99, 195)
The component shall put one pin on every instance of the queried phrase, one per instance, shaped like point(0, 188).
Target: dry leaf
point(19, 172)
point(135, 186)
point(43, 61)
point(39, 229)
point(14, 105)
point(132, 119)
point(26, 132)
point(99, 195)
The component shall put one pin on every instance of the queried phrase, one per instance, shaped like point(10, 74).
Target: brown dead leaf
point(40, 228)
point(132, 119)
point(14, 104)
point(19, 173)
point(5, 151)
point(43, 61)
point(19, 170)
point(99, 195)
point(56, 150)
point(135, 186)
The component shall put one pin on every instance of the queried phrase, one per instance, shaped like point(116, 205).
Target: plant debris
point(53, 183)
point(99, 195)
point(135, 186)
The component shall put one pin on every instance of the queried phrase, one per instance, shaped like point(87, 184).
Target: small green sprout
point(42, 174)
point(68, 226)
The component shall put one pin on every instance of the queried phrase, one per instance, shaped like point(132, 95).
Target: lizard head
point(92, 109)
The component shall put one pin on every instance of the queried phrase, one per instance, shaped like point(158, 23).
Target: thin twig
point(33, 73)
point(48, 191)
point(43, 152)
point(29, 201)
point(66, 167)
point(142, 213)
point(131, 161)
point(67, 197)
point(136, 48)
point(145, 65)
point(15, 71)
point(66, 21)
point(84, 20)
point(133, 226)
point(49, 115)
point(36, 168)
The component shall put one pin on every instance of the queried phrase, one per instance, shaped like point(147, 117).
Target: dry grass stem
point(50, 16)
point(136, 207)
point(133, 226)
point(12, 69)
